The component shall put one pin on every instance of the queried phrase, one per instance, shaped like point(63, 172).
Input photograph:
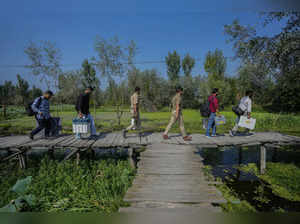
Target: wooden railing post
point(263, 158)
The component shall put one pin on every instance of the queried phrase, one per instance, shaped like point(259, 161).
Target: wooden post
point(77, 157)
point(238, 175)
point(22, 161)
point(51, 153)
point(263, 158)
point(130, 157)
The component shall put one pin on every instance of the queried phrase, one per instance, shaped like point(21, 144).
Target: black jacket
point(83, 104)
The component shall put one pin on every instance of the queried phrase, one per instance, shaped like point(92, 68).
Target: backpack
point(28, 107)
point(237, 110)
point(204, 109)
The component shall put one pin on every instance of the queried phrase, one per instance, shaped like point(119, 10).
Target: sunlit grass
point(106, 120)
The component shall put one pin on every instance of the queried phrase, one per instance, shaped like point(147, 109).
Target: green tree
point(7, 94)
point(45, 62)
point(89, 75)
point(279, 53)
point(173, 66)
point(35, 92)
point(215, 66)
point(114, 61)
point(90, 79)
point(188, 64)
point(70, 85)
point(22, 89)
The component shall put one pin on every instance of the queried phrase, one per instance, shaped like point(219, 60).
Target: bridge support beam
point(263, 158)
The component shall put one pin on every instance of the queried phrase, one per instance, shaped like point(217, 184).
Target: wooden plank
point(100, 141)
point(49, 142)
point(133, 139)
point(66, 142)
point(153, 138)
point(169, 173)
point(118, 140)
point(14, 141)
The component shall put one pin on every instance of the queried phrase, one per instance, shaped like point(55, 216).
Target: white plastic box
point(247, 123)
point(81, 125)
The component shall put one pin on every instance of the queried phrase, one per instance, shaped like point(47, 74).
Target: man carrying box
point(83, 109)
point(245, 107)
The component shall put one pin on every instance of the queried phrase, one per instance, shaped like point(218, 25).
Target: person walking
point(214, 110)
point(245, 106)
point(83, 109)
point(41, 108)
point(177, 115)
point(135, 111)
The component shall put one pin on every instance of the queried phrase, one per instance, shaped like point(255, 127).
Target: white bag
point(247, 123)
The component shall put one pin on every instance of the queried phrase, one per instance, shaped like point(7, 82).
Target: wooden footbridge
point(169, 173)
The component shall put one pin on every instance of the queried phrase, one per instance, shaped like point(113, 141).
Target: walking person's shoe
point(231, 133)
point(207, 136)
point(31, 136)
point(124, 133)
point(214, 135)
point(187, 138)
point(165, 137)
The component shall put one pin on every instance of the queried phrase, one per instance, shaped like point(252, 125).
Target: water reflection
point(225, 161)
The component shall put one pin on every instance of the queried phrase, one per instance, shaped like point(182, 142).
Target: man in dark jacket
point(83, 109)
point(41, 107)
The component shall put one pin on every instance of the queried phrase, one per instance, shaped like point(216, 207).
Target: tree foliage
point(89, 75)
point(188, 64)
point(173, 66)
point(70, 85)
point(279, 55)
point(45, 61)
point(22, 89)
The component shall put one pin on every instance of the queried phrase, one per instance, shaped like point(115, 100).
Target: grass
point(93, 186)
point(106, 120)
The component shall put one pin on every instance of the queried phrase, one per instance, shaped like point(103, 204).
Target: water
point(225, 162)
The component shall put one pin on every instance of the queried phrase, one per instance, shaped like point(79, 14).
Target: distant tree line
point(269, 65)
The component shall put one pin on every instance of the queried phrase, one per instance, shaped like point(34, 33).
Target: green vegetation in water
point(283, 179)
point(246, 190)
point(233, 204)
point(92, 186)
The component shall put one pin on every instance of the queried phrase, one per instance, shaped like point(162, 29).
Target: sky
point(157, 27)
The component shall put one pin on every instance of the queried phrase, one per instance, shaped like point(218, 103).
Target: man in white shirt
point(246, 106)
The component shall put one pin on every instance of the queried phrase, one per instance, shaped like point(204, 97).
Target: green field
point(106, 120)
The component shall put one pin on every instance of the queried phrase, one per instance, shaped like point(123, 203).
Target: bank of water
point(232, 165)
